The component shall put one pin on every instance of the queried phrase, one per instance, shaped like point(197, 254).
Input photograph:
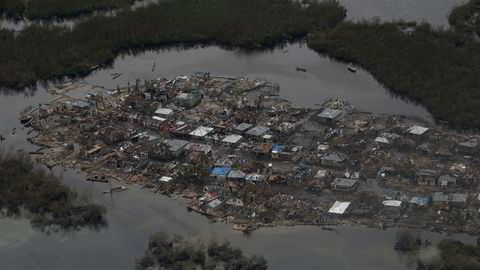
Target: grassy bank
point(49, 204)
point(40, 53)
point(165, 252)
point(434, 67)
point(55, 9)
point(466, 18)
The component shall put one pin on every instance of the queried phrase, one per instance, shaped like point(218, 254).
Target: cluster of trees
point(435, 67)
point(49, 204)
point(445, 255)
point(53, 9)
point(41, 53)
point(454, 255)
point(466, 18)
point(165, 252)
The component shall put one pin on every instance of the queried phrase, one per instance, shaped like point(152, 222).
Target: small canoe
point(115, 189)
point(351, 68)
point(301, 69)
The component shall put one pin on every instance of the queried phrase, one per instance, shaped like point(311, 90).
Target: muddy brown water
point(137, 213)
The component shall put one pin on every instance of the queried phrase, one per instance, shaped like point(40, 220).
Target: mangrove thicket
point(175, 252)
point(438, 68)
point(55, 9)
point(41, 53)
point(26, 190)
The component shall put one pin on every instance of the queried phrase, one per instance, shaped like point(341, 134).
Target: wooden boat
point(351, 68)
point(301, 69)
point(97, 178)
point(115, 189)
point(245, 228)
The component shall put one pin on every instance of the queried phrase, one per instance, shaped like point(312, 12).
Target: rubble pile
point(236, 152)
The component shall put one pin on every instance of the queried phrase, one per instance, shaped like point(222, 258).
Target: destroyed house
point(232, 139)
point(392, 207)
point(417, 131)
point(443, 200)
point(282, 152)
point(339, 208)
point(188, 99)
point(419, 201)
point(241, 128)
point(175, 146)
point(257, 131)
point(286, 128)
point(333, 159)
point(201, 131)
point(236, 175)
point(135, 101)
point(447, 181)
point(319, 181)
point(329, 116)
point(426, 177)
point(45, 110)
point(111, 135)
point(220, 172)
point(80, 104)
point(199, 147)
point(469, 147)
point(163, 111)
point(343, 184)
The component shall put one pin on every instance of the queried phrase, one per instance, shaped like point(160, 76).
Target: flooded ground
point(135, 214)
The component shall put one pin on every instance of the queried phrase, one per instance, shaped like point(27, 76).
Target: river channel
point(137, 213)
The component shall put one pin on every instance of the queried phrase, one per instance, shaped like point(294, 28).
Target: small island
point(236, 152)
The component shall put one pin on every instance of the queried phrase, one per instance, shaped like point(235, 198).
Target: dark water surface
point(136, 214)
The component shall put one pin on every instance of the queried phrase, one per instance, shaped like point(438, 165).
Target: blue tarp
point(278, 148)
point(221, 170)
point(421, 201)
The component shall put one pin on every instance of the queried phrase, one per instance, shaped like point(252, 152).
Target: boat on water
point(351, 68)
point(301, 69)
point(97, 178)
point(115, 189)
point(245, 228)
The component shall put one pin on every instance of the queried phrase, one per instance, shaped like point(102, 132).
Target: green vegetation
point(454, 255)
point(166, 252)
point(49, 204)
point(466, 18)
point(50, 9)
point(434, 67)
point(41, 53)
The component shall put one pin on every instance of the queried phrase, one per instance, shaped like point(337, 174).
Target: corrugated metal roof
point(339, 207)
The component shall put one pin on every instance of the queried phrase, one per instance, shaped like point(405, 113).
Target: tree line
point(56, 9)
point(437, 68)
point(175, 252)
point(43, 53)
point(50, 205)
